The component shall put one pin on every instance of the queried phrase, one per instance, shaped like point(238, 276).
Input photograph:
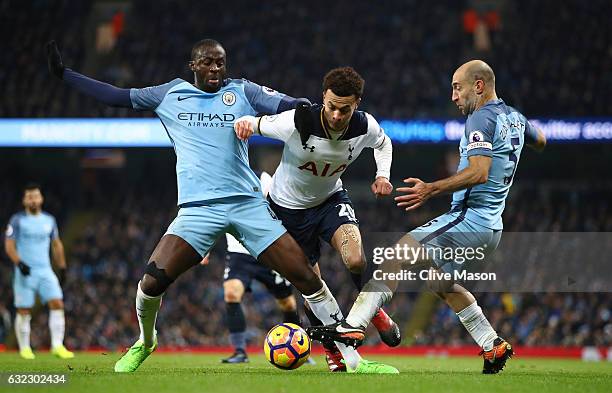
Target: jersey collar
point(328, 134)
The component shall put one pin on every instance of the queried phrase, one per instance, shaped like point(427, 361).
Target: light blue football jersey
point(33, 234)
point(498, 131)
point(211, 162)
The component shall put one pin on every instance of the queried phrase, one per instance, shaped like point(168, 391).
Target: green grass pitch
point(185, 373)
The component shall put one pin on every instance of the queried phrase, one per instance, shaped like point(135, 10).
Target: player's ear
point(479, 85)
point(357, 102)
point(191, 65)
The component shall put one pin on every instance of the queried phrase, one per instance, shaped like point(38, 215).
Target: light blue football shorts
point(460, 243)
point(43, 282)
point(248, 219)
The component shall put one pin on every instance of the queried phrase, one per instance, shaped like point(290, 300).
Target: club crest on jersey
point(229, 98)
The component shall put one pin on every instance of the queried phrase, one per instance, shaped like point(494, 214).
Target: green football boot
point(371, 367)
point(134, 357)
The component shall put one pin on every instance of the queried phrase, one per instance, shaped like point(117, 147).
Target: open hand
point(415, 196)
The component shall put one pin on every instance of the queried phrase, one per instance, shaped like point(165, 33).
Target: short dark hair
point(205, 43)
point(31, 186)
point(344, 82)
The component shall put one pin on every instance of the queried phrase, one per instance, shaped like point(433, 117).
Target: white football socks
point(324, 306)
point(372, 297)
point(478, 326)
point(22, 330)
point(57, 326)
point(146, 310)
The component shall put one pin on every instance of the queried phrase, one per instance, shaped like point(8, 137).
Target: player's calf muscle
point(347, 241)
point(287, 258)
point(171, 258)
point(233, 291)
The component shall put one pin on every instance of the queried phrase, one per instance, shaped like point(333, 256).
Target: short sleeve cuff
point(479, 150)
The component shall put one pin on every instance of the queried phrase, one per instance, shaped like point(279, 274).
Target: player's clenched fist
point(243, 128)
point(381, 186)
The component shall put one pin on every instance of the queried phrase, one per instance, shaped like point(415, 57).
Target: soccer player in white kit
point(321, 141)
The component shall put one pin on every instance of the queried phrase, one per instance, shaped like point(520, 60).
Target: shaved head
point(203, 45)
point(475, 70)
point(473, 85)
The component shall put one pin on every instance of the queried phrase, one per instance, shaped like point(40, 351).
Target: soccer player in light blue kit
point(29, 235)
point(490, 148)
point(218, 192)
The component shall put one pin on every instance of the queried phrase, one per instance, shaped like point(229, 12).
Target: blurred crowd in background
point(406, 50)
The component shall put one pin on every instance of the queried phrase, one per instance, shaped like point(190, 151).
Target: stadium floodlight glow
point(149, 132)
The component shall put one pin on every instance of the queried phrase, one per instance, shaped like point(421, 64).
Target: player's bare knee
point(155, 281)
point(232, 297)
point(232, 291)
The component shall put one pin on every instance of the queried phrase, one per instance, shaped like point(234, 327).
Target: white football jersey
point(310, 173)
point(233, 245)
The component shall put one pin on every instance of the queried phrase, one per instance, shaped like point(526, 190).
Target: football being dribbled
point(287, 346)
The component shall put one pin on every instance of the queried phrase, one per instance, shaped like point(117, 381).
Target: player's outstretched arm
point(476, 173)
point(103, 92)
point(279, 126)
